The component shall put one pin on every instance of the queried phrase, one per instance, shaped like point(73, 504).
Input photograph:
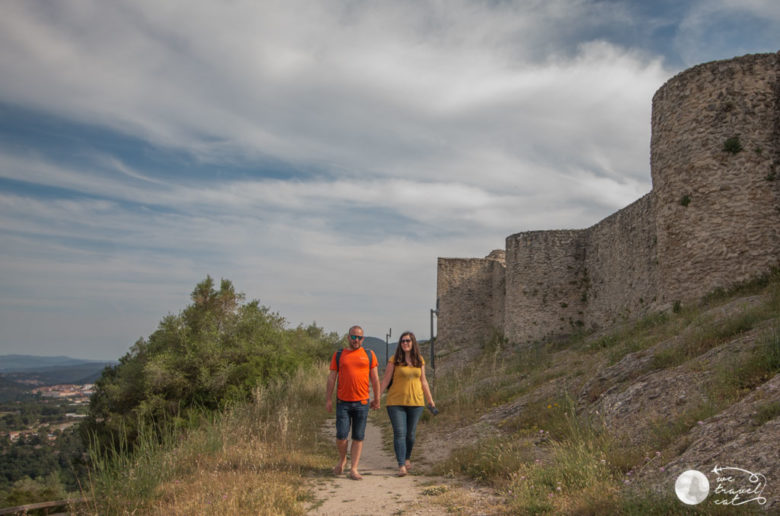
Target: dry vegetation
point(251, 459)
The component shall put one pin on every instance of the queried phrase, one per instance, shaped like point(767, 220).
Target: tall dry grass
point(251, 458)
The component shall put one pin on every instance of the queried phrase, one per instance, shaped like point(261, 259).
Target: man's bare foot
point(402, 471)
point(354, 475)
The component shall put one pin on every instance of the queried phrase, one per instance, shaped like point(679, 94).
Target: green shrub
point(732, 145)
point(215, 352)
point(26, 491)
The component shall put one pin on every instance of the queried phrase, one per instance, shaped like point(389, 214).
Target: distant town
point(72, 396)
point(76, 394)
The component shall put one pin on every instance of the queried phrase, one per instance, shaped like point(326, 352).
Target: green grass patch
point(766, 412)
point(664, 432)
point(576, 475)
point(733, 380)
point(498, 375)
point(639, 335)
point(491, 461)
point(710, 332)
point(754, 286)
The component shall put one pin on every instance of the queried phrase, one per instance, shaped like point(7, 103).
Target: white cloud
point(423, 129)
point(361, 88)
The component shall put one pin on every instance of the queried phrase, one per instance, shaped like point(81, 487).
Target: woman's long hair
point(400, 358)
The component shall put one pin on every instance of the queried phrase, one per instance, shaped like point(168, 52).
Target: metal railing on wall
point(433, 345)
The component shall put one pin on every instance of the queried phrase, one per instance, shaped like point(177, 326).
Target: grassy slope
point(591, 425)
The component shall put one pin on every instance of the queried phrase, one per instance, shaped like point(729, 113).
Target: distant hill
point(378, 346)
point(12, 391)
point(78, 374)
point(15, 363)
point(31, 371)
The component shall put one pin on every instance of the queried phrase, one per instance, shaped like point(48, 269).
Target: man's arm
point(329, 394)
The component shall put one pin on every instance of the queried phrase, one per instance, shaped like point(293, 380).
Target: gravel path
point(380, 492)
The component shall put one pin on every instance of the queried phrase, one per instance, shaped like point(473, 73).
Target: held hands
point(329, 405)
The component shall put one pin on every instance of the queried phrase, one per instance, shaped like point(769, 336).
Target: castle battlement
point(711, 220)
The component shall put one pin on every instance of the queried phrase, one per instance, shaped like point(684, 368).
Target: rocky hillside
point(696, 388)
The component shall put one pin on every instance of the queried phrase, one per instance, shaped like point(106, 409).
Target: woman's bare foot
point(408, 466)
point(354, 475)
point(402, 471)
point(338, 470)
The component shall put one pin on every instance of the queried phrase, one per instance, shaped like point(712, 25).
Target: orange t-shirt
point(353, 373)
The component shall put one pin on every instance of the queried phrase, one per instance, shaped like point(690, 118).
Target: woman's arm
point(426, 389)
point(387, 377)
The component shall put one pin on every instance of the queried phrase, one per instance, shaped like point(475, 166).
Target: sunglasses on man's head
point(406, 340)
point(356, 337)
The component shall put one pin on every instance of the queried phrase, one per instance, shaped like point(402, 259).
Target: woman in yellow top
point(405, 396)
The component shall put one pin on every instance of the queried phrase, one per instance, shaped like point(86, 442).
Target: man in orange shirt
point(353, 367)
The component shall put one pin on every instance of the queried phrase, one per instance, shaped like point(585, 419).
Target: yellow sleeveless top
point(407, 387)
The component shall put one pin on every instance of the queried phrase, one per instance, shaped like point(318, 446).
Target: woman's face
point(406, 343)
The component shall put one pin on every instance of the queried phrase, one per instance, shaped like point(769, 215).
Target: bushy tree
point(212, 353)
point(27, 490)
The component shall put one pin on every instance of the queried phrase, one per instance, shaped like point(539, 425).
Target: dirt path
point(381, 492)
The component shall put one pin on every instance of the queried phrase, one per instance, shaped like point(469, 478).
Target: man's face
point(355, 338)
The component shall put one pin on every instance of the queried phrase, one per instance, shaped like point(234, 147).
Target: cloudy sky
point(319, 154)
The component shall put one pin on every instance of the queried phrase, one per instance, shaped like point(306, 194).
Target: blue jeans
point(351, 413)
point(404, 420)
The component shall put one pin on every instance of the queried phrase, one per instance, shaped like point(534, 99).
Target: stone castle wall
point(711, 220)
point(729, 230)
point(481, 282)
point(622, 265)
point(545, 283)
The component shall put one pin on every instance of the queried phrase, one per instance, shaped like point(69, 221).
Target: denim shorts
point(354, 413)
